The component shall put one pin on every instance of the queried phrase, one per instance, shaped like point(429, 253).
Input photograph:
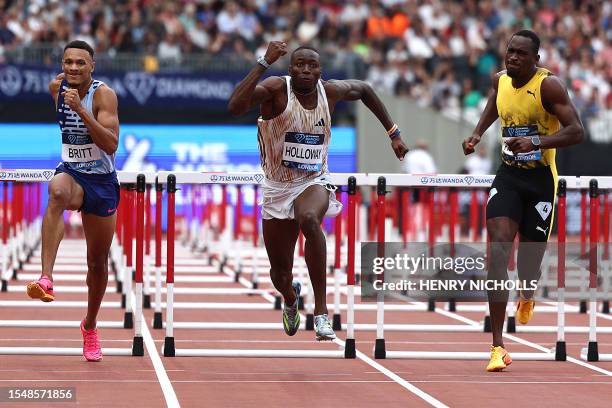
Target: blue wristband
point(395, 134)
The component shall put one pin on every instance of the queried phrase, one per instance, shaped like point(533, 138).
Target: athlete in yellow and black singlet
point(521, 111)
point(537, 117)
point(525, 185)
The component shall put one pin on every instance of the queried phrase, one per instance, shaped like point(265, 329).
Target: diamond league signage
point(458, 180)
point(25, 175)
point(136, 89)
point(133, 88)
point(236, 178)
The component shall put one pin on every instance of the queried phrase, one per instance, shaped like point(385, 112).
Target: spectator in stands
point(7, 36)
point(169, 50)
point(419, 160)
point(408, 36)
point(479, 163)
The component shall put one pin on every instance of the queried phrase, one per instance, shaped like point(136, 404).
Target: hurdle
point(232, 270)
point(382, 181)
point(591, 352)
point(576, 278)
point(5, 271)
point(169, 349)
point(380, 351)
point(20, 231)
point(137, 347)
point(126, 214)
point(561, 292)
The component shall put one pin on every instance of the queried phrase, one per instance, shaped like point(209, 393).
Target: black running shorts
point(527, 196)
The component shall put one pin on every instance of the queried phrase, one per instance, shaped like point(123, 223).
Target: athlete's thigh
point(280, 237)
point(538, 208)
point(505, 200)
point(315, 198)
point(66, 184)
point(99, 233)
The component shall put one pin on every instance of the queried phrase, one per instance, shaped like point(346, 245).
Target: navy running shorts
point(100, 191)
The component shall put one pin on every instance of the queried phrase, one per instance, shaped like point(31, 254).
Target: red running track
point(297, 382)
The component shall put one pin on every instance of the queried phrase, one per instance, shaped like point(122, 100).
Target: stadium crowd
point(442, 53)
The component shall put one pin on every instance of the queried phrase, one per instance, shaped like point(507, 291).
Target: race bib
point(520, 131)
point(303, 151)
point(80, 153)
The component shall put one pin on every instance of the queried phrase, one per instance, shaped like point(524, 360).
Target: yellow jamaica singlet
point(522, 114)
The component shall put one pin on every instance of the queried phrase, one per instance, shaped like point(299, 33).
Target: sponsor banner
point(152, 148)
point(236, 178)
point(26, 175)
point(171, 90)
point(215, 150)
point(183, 177)
point(435, 180)
point(449, 180)
point(25, 83)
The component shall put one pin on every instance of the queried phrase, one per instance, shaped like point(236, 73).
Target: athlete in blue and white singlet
point(85, 180)
point(91, 167)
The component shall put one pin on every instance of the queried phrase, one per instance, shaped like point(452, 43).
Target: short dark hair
point(82, 45)
point(532, 36)
point(304, 47)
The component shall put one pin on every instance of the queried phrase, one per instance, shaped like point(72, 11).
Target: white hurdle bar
point(466, 355)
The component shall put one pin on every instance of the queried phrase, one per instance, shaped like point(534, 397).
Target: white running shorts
point(278, 197)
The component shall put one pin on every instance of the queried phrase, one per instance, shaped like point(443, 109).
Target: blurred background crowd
point(442, 54)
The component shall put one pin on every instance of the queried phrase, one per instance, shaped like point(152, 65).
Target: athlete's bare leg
point(502, 231)
point(98, 235)
point(279, 238)
point(64, 194)
point(309, 209)
point(529, 260)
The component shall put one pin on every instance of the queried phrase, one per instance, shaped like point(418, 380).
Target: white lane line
point(21, 370)
point(392, 382)
point(56, 380)
point(308, 381)
point(280, 373)
point(570, 359)
point(415, 390)
point(285, 381)
point(64, 340)
point(512, 382)
point(527, 343)
point(160, 371)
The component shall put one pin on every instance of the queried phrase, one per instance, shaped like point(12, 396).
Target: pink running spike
point(91, 344)
point(41, 289)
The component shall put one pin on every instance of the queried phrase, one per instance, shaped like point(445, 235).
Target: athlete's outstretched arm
point(556, 101)
point(352, 90)
point(488, 116)
point(104, 128)
point(248, 94)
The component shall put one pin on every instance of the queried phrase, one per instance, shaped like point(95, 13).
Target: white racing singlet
point(293, 146)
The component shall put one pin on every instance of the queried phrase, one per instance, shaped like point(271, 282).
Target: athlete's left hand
point(72, 99)
point(399, 147)
point(519, 144)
